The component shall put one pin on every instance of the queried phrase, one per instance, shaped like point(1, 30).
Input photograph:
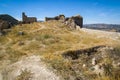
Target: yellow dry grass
point(49, 40)
point(50, 37)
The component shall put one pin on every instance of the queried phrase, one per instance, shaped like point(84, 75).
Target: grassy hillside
point(50, 40)
point(9, 19)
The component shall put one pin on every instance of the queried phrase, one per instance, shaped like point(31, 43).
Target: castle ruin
point(60, 18)
point(26, 19)
point(72, 22)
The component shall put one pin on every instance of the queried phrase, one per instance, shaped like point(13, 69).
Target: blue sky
point(93, 11)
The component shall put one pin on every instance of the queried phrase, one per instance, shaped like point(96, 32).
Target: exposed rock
point(21, 43)
point(61, 18)
point(7, 21)
point(73, 22)
point(71, 78)
point(4, 25)
point(20, 33)
point(75, 54)
point(116, 64)
point(100, 56)
point(94, 61)
point(98, 69)
point(12, 21)
point(84, 65)
point(33, 64)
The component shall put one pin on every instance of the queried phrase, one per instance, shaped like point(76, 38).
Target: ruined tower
point(26, 19)
point(78, 20)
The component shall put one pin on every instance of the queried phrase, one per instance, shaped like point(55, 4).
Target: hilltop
point(52, 51)
point(9, 19)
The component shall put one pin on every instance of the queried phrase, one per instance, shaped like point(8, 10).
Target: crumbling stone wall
point(60, 18)
point(49, 19)
point(72, 22)
point(26, 19)
point(78, 20)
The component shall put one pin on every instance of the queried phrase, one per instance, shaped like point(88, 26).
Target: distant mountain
point(106, 27)
point(9, 19)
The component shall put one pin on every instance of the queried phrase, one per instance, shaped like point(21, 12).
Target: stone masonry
point(26, 19)
point(72, 22)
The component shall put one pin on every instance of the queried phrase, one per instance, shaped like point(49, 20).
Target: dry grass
point(49, 40)
point(25, 75)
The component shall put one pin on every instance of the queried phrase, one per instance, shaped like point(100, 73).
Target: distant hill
point(9, 18)
point(106, 27)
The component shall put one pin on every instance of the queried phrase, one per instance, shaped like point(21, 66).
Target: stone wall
point(26, 19)
point(78, 20)
point(72, 22)
point(49, 19)
point(60, 18)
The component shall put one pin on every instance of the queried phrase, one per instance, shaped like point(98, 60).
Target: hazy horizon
point(92, 11)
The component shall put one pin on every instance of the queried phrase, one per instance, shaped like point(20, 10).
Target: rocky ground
point(52, 51)
point(31, 66)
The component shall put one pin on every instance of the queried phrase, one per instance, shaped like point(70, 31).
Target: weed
point(25, 75)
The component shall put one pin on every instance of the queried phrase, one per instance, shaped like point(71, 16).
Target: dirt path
point(34, 65)
point(42, 27)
